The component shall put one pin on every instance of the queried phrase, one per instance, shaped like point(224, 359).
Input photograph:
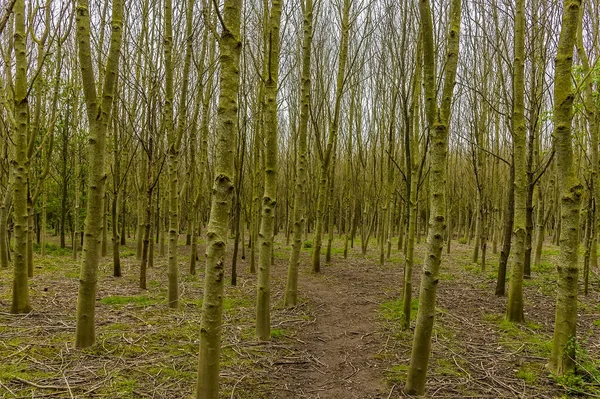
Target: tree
point(216, 234)
point(299, 212)
point(562, 360)
point(20, 167)
point(437, 118)
point(174, 143)
point(514, 310)
point(267, 226)
point(99, 109)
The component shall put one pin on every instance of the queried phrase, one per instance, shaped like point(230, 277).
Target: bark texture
point(212, 305)
point(437, 119)
point(562, 360)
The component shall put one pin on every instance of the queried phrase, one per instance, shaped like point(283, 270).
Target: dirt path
point(339, 349)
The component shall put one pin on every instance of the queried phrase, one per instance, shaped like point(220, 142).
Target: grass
point(447, 368)
point(550, 251)
point(396, 374)
point(9, 372)
point(141, 343)
point(543, 268)
point(394, 310)
point(530, 334)
point(52, 249)
point(528, 372)
point(277, 333)
point(586, 378)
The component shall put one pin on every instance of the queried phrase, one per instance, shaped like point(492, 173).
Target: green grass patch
point(397, 374)
point(154, 283)
point(277, 333)
point(537, 343)
point(586, 378)
point(543, 268)
point(447, 368)
point(528, 372)
point(446, 276)
point(9, 372)
point(52, 249)
point(551, 251)
point(126, 253)
point(235, 303)
point(394, 310)
point(473, 268)
point(124, 387)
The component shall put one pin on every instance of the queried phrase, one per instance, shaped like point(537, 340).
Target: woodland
point(299, 199)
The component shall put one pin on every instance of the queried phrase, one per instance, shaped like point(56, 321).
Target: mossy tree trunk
point(20, 165)
point(592, 114)
point(4, 211)
point(267, 226)
point(212, 305)
point(173, 139)
point(413, 175)
point(98, 108)
point(437, 119)
point(299, 212)
point(116, 241)
point(195, 188)
point(562, 360)
point(514, 310)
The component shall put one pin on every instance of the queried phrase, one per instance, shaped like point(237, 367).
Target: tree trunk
point(4, 242)
point(438, 122)
point(98, 109)
point(299, 213)
point(212, 305)
point(267, 226)
point(173, 161)
point(562, 360)
point(20, 167)
point(514, 310)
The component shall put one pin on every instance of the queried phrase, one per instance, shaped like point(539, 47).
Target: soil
point(339, 346)
point(342, 341)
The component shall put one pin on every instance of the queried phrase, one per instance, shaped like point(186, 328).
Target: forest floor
point(342, 341)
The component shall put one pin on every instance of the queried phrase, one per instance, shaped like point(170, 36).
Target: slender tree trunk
point(514, 310)
point(562, 360)
point(146, 250)
point(528, 229)
point(115, 201)
point(438, 121)
point(20, 167)
point(212, 305)
point(299, 213)
point(509, 213)
point(30, 227)
point(4, 243)
point(541, 227)
point(75, 238)
point(173, 161)
point(105, 227)
point(44, 221)
point(267, 227)
point(589, 234)
point(593, 118)
point(98, 109)
point(412, 163)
